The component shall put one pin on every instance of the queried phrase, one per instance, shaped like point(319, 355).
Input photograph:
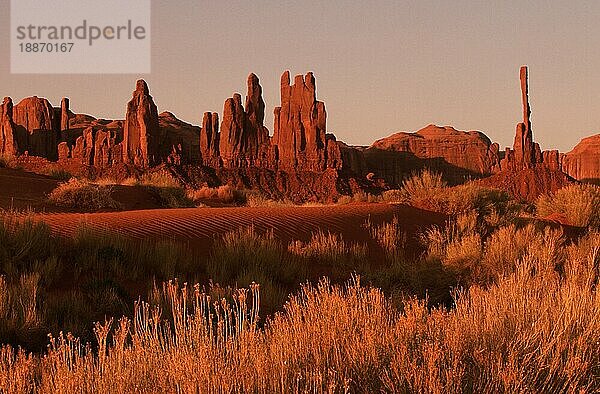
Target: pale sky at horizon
point(380, 68)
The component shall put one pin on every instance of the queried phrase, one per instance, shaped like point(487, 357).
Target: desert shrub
point(70, 311)
point(403, 273)
point(359, 197)
point(60, 174)
point(582, 260)
point(19, 310)
point(390, 236)
point(83, 195)
point(224, 193)
point(273, 294)
point(107, 181)
point(245, 251)
point(246, 256)
point(160, 178)
point(343, 200)
point(510, 244)
point(256, 199)
point(458, 245)
point(166, 188)
point(172, 197)
point(393, 196)
point(421, 187)
point(110, 255)
point(331, 249)
point(427, 190)
point(485, 201)
point(579, 204)
point(23, 242)
point(8, 161)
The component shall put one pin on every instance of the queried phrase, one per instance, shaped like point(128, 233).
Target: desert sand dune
point(201, 226)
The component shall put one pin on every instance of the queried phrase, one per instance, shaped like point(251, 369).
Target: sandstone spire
point(231, 145)
point(141, 132)
point(209, 139)
point(300, 125)
point(255, 115)
point(64, 114)
point(244, 139)
point(7, 128)
point(524, 146)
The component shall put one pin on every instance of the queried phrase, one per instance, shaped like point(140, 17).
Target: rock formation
point(209, 139)
point(232, 143)
point(525, 153)
point(256, 134)
point(36, 128)
point(103, 145)
point(300, 161)
point(526, 171)
point(141, 133)
point(83, 151)
point(64, 114)
point(299, 142)
point(8, 144)
point(180, 141)
point(244, 140)
point(64, 153)
point(457, 154)
point(524, 146)
point(300, 125)
point(583, 161)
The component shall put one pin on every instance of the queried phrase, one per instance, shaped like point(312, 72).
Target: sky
point(380, 66)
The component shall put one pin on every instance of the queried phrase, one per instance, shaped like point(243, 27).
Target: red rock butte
point(300, 160)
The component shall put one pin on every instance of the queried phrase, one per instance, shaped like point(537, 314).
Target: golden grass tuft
point(330, 248)
point(579, 204)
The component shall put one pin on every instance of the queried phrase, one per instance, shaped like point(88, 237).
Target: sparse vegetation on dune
point(534, 330)
point(486, 302)
point(83, 195)
point(60, 174)
point(427, 190)
point(8, 161)
point(169, 192)
point(225, 194)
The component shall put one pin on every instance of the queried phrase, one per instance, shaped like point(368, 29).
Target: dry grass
point(578, 204)
point(533, 331)
point(389, 236)
point(8, 161)
point(60, 174)
point(18, 306)
point(427, 190)
point(167, 189)
point(255, 199)
point(225, 194)
point(422, 186)
point(359, 197)
point(524, 314)
point(83, 195)
point(329, 248)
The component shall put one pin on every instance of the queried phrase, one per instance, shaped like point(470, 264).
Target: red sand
point(200, 226)
point(24, 190)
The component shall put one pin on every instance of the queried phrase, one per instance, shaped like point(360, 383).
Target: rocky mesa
point(300, 160)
